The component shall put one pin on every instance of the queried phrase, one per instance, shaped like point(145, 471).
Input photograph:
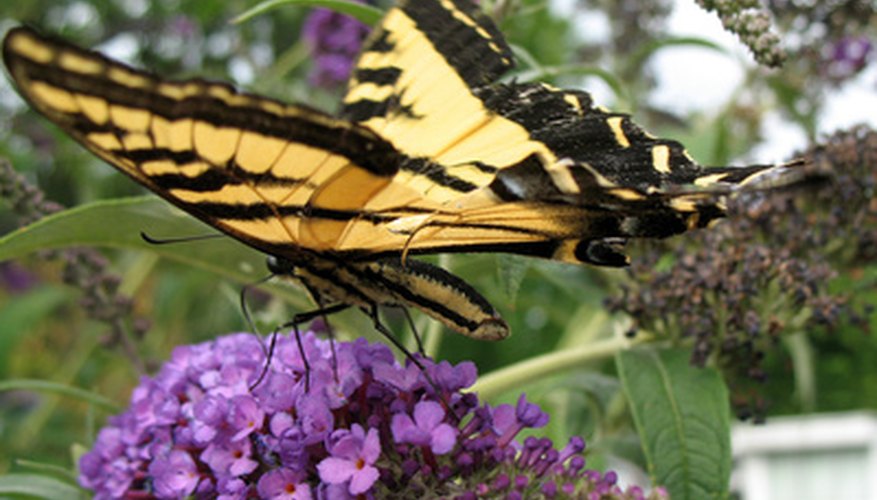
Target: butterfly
point(430, 153)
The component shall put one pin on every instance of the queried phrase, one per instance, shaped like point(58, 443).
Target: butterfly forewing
point(248, 165)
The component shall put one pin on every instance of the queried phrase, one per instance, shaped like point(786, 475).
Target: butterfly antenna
point(245, 309)
point(181, 239)
point(318, 299)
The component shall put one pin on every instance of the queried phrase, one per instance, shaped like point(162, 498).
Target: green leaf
point(49, 469)
point(647, 50)
point(62, 389)
point(20, 314)
point(38, 486)
point(118, 223)
point(365, 13)
point(682, 416)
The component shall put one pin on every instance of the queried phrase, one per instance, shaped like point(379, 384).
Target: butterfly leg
point(414, 332)
point(297, 320)
point(318, 299)
point(372, 312)
point(245, 309)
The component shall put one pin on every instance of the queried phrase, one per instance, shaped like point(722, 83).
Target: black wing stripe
point(210, 179)
point(379, 76)
point(438, 174)
point(379, 43)
point(478, 60)
point(258, 211)
point(570, 125)
point(365, 109)
point(311, 127)
point(361, 147)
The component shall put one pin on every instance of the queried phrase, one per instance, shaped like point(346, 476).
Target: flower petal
point(428, 414)
point(336, 470)
point(371, 448)
point(363, 480)
point(444, 437)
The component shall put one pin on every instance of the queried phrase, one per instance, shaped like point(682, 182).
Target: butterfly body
point(390, 282)
point(429, 154)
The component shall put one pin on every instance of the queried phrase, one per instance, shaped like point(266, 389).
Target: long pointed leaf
point(682, 416)
point(118, 223)
point(365, 13)
point(38, 486)
point(61, 389)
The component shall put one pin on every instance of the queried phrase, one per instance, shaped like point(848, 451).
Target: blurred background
point(791, 338)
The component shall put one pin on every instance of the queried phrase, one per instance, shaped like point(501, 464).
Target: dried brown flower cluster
point(767, 271)
point(752, 24)
point(84, 268)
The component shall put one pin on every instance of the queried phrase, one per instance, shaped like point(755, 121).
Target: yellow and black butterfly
point(430, 154)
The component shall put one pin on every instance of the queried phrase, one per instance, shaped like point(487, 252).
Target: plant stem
point(495, 383)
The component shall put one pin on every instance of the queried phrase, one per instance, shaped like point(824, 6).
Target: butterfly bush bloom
point(366, 427)
point(335, 40)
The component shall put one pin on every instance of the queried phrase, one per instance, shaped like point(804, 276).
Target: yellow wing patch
point(250, 166)
point(431, 109)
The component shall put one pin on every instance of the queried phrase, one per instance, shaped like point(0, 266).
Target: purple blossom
point(315, 420)
point(508, 421)
point(335, 40)
point(246, 417)
point(367, 426)
point(230, 459)
point(428, 428)
point(174, 475)
point(16, 278)
point(353, 456)
point(529, 414)
point(847, 56)
point(284, 484)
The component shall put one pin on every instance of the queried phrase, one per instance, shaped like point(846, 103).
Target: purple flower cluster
point(366, 427)
point(335, 39)
point(847, 56)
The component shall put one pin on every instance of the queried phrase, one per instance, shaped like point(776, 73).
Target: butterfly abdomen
point(390, 282)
